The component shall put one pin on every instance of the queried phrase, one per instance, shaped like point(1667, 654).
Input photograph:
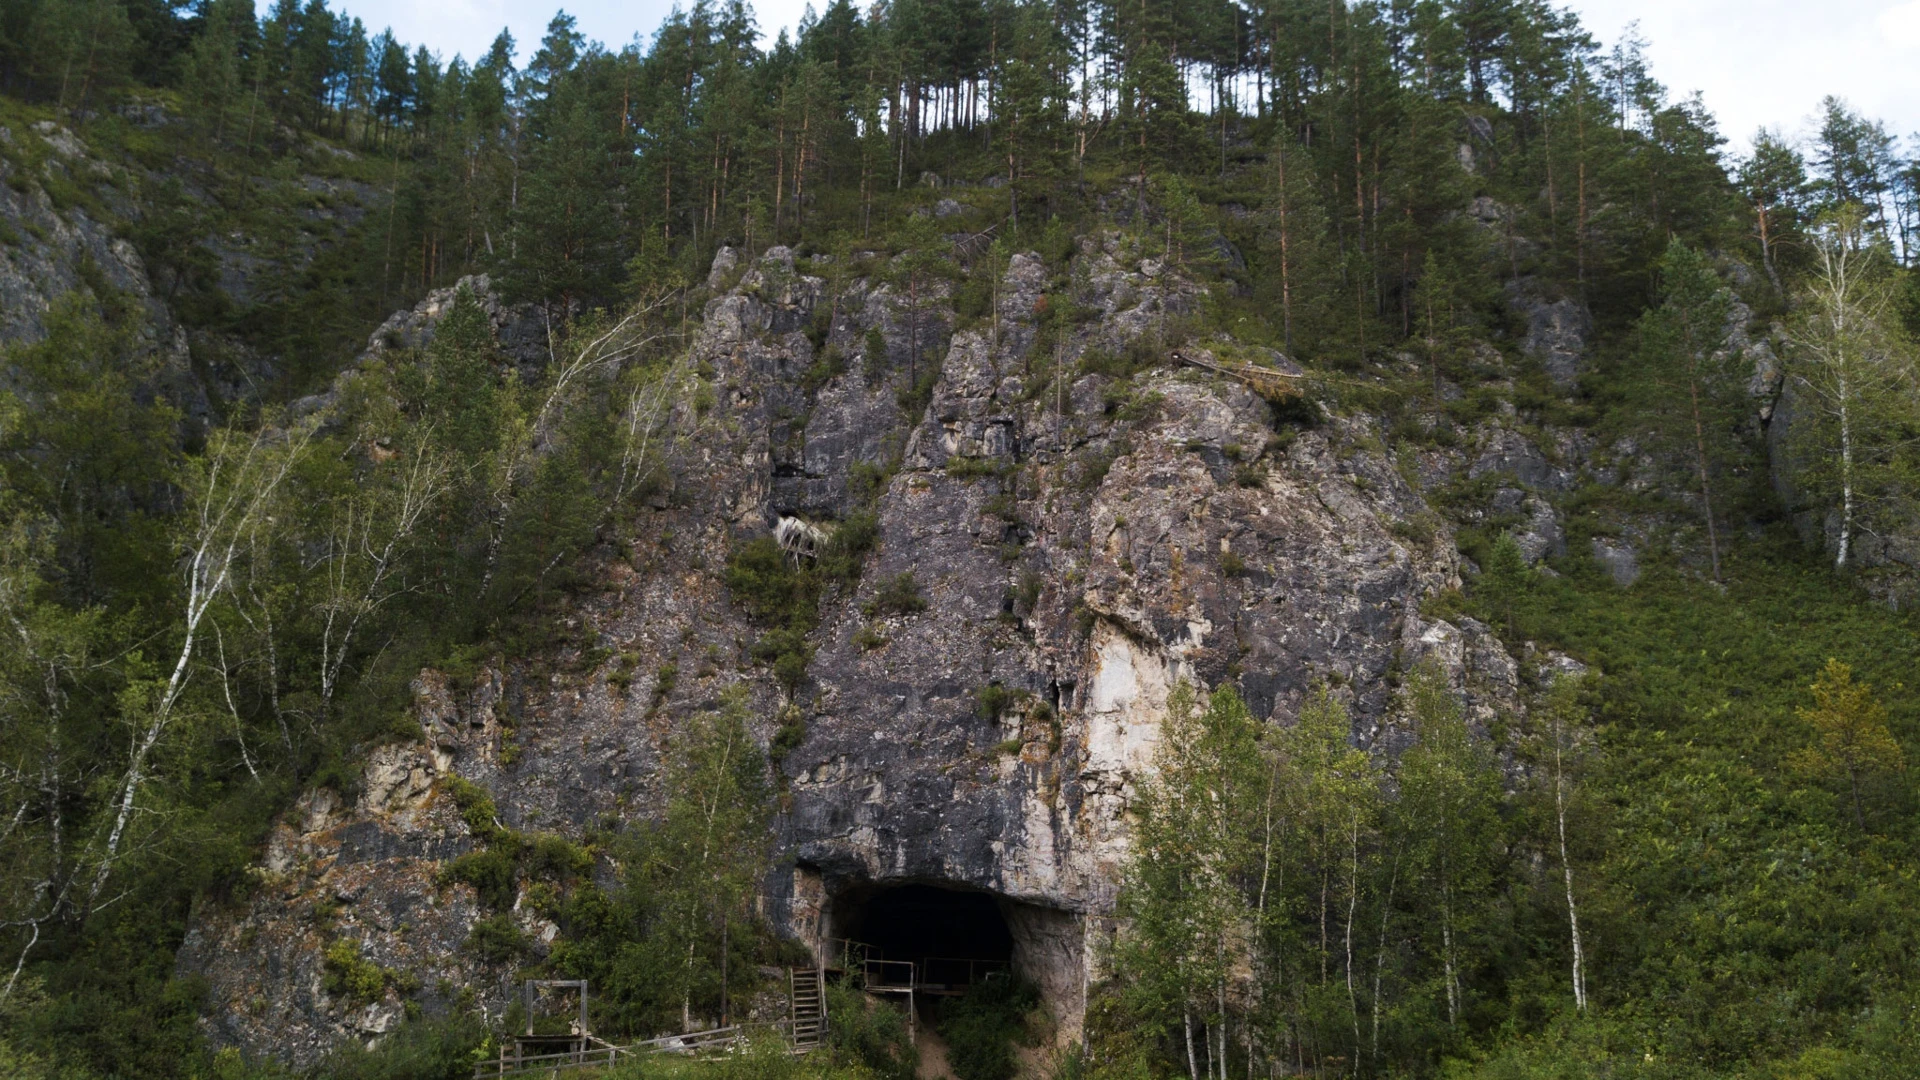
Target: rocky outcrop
point(1081, 546)
point(67, 216)
point(46, 251)
point(1557, 333)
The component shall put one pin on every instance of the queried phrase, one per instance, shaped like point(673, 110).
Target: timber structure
point(1267, 382)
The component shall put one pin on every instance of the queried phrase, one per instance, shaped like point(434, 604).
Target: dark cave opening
point(952, 937)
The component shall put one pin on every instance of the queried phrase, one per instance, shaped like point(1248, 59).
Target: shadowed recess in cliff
point(952, 937)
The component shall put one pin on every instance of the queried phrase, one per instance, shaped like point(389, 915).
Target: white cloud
point(1900, 25)
point(1767, 63)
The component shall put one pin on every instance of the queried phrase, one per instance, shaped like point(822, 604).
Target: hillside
point(1348, 541)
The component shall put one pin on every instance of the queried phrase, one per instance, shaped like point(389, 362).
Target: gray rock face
point(42, 249)
point(521, 330)
point(1621, 562)
point(1557, 336)
point(48, 252)
point(1082, 548)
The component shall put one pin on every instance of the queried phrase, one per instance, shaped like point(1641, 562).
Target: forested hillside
point(376, 426)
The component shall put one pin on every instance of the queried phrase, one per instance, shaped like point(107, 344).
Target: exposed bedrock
point(1081, 550)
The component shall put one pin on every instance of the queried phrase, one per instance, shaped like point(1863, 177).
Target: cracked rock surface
point(1081, 547)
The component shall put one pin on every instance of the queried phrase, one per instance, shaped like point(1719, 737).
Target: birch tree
point(1449, 793)
point(47, 650)
point(227, 492)
point(1562, 713)
point(1332, 797)
point(704, 858)
point(1195, 822)
point(1856, 376)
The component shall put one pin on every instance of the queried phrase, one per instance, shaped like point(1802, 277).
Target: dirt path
point(933, 1052)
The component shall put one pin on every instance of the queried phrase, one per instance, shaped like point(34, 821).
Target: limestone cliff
point(1081, 549)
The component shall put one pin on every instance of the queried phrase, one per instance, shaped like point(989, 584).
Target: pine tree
point(216, 65)
point(1680, 342)
point(78, 49)
point(566, 235)
point(1774, 181)
point(1853, 161)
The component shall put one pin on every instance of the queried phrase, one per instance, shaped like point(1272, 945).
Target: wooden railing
point(606, 1054)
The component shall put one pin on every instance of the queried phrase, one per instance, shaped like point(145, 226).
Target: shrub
point(788, 737)
point(556, 858)
point(982, 1026)
point(1027, 594)
point(476, 808)
point(443, 1049)
point(913, 400)
point(870, 1033)
point(1003, 506)
point(972, 468)
point(823, 370)
point(664, 678)
point(497, 940)
point(873, 360)
point(345, 973)
point(491, 873)
point(898, 595)
point(990, 702)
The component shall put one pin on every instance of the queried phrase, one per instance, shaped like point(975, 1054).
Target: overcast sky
point(1759, 62)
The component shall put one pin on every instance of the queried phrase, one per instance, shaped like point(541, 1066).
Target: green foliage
point(788, 736)
point(1695, 765)
point(784, 594)
point(1853, 742)
point(870, 1034)
point(345, 973)
point(442, 1049)
point(682, 913)
point(492, 873)
point(497, 939)
point(476, 808)
point(1747, 925)
point(898, 595)
point(973, 468)
point(555, 858)
point(991, 702)
point(873, 356)
point(982, 1026)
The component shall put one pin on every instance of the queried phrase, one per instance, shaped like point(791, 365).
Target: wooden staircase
point(807, 1007)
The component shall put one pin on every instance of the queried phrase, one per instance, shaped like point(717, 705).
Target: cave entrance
point(923, 938)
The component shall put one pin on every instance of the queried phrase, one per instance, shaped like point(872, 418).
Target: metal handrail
point(986, 967)
point(876, 973)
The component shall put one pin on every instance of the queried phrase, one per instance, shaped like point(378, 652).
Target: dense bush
point(982, 1026)
point(870, 1033)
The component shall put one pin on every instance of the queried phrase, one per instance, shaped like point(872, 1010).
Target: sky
point(1759, 63)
